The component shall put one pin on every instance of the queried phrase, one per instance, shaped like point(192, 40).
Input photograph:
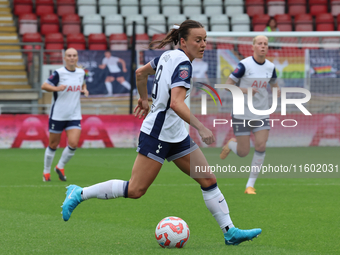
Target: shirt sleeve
point(238, 72)
point(154, 63)
point(53, 79)
point(182, 75)
point(274, 77)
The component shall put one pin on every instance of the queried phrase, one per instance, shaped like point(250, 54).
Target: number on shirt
point(155, 84)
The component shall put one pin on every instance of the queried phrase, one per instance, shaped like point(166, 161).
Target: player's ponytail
point(176, 33)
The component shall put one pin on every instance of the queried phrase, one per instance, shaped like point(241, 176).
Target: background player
point(163, 133)
point(115, 72)
point(255, 72)
point(66, 83)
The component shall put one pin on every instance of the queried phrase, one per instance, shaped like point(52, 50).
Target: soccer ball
point(172, 232)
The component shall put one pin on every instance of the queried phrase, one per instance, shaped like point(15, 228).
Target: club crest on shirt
point(183, 72)
point(51, 76)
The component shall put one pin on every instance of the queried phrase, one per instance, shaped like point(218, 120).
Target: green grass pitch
point(297, 215)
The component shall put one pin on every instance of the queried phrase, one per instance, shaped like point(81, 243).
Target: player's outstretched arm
point(50, 88)
point(142, 74)
point(177, 104)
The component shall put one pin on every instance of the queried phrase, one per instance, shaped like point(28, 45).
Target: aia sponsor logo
point(74, 88)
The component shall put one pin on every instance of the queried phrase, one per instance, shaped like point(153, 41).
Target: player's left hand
point(142, 108)
point(206, 135)
point(124, 70)
point(85, 91)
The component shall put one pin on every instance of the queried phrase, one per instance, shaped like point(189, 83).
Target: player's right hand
point(61, 87)
point(206, 135)
point(142, 108)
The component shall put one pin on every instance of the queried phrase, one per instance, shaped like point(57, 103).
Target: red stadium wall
point(98, 131)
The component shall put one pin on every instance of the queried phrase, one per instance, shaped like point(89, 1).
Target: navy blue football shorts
point(116, 75)
point(159, 150)
point(245, 127)
point(57, 126)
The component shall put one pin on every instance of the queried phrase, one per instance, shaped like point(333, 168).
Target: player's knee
point(242, 153)
point(207, 182)
point(260, 147)
point(73, 144)
point(53, 144)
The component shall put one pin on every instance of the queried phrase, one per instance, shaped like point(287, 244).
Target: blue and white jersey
point(173, 69)
point(250, 73)
point(66, 103)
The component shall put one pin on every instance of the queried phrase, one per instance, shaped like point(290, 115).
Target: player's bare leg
point(243, 145)
point(214, 199)
point(144, 172)
point(54, 140)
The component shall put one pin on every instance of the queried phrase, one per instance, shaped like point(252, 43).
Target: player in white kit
point(66, 83)
point(255, 72)
point(163, 134)
point(116, 73)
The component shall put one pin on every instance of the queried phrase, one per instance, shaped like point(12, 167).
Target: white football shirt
point(66, 103)
point(112, 64)
point(249, 73)
point(173, 69)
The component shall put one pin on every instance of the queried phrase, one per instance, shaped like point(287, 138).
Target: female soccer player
point(66, 83)
point(255, 72)
point(163, 134)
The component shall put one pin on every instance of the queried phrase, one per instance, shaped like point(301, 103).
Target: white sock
point(105, 190)
point(233, 146)
point(127, 85)
point(218, 207)
point(108, 87)
point(67, 154)
point(256, 165)
point(48, 159)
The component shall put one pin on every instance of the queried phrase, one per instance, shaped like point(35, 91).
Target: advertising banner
point(102, 131)
point(98, 131)
point(107, 72)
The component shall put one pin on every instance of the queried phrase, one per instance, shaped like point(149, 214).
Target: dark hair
point(272, 18)
point(175, 35)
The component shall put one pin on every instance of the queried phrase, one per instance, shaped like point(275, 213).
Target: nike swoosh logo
point(69, 196)
point(221, 200)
